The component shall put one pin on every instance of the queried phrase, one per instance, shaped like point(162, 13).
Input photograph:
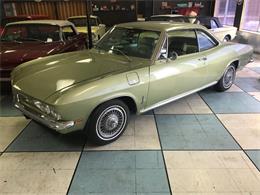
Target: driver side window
point(182, 42)
point(68, 32)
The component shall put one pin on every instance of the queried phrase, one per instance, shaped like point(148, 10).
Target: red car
point(10, 19)
point(27, 40)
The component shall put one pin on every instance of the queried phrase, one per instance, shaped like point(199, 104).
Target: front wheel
point(228, 78)
point(108, 121)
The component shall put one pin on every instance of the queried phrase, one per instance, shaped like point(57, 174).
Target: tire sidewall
point(226, 39)
point(220, 85)
point(233, 77)
point(95, 137)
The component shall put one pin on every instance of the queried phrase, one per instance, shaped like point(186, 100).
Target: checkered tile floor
point(207, 143)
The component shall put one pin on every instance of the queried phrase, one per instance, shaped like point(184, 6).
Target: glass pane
point(231, 11)
point(220, 8)
point(130, 42)
point(251, 16)
point(31, 32)
point(213, 24)
point(182, 42)
point(68, 32)
point(205, 42)
point(225, 10)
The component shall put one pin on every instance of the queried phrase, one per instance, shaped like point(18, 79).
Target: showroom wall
point(205, 8)
point(110, 11)
point(243, 14)
point(53, 9)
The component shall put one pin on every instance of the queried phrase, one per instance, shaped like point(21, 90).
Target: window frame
point(243, 20)
point(209, 35)
point(155, 52)
point(58, 27)
point(215, 23)
point(167, 42)
point(62, 33)
point(225, 14)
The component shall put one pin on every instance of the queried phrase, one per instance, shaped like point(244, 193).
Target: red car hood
point(12, 54)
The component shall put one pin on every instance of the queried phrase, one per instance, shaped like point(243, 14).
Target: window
point(205, 42)
point(129, 42)
point(31, 32)
point(80, 22)
point(182, 42)
point(251, 16)
point(213, 24)
point(225, 10)
point(68, 32)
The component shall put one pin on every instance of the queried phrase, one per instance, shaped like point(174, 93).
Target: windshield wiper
point(120, 51)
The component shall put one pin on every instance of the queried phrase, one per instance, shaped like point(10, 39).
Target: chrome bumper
point(56, 125)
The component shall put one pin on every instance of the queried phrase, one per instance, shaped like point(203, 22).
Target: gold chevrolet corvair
point(134, 68)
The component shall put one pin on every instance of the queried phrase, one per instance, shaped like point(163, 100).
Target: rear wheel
point(108, 121)
point(227, 80)
point(226, 38)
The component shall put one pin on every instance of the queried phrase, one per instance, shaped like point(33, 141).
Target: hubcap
point(111, 122)
point(229, 77)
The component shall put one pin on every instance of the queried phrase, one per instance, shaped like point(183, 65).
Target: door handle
point(202, 59)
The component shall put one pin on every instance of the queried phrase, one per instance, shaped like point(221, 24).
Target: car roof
point(168, 15)
point(50, 22)
point(160, 25)
point(83, 16)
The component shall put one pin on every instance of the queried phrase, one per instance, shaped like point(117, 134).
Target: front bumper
point(60, 126)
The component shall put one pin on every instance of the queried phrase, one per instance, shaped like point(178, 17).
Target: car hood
point(42, 77)
point(12, 54)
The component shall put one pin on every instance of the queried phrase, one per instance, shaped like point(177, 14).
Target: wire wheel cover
point(111, 122)
point(229, 77)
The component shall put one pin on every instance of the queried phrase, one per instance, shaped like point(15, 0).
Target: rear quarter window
point(205, 41)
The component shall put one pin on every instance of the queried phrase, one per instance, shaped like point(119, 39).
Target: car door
point(171, 77)
point(72, 41)
point(209, 48)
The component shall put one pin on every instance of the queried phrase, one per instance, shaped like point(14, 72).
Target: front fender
point(78, 101)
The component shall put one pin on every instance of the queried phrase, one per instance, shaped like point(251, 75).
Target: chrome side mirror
point(163, 53)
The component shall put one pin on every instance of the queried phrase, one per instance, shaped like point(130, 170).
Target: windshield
point(130, 42)
point(31, 32)
point(78, 22)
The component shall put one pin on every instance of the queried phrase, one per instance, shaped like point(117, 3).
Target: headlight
point(46, 109)
point(42, 107)
point(55, 115)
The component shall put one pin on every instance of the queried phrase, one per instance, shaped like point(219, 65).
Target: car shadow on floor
point(38, 138)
